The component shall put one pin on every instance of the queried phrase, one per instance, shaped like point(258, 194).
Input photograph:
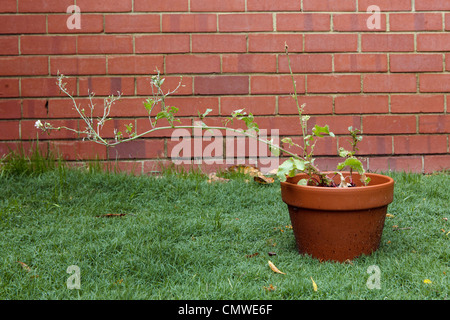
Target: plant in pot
point(335, 215)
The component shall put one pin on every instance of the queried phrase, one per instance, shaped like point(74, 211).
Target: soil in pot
point(338, 224)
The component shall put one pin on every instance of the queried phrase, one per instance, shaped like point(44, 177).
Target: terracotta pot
point(338, 223)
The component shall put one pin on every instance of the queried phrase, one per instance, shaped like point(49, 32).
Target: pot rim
point(388, 181)
point(378, 194)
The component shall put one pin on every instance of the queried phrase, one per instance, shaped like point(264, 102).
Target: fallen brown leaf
point(260, 178)
point(274, 269)
point(270, 288)
point(214, 178)
point(24, 266)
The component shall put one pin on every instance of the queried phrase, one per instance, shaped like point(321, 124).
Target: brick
point(434, 123)
point(143, 86)
point(337, 124)
point(432, 5)
point(132, 23)
point(105, 5)
point(8, 6)
point(356, 22)
point(387, 42)
point(406, 163)
point(391, 124)
point(333, 83)
point(9, 45)
point(361, 104)
point(385, 5)
point(161, 5)
point(138, 149)
point(421, 21)
point(79, 65)
point(434, 82)
point(313, 104)
point(79, 150)
point(436, 163)
point(249, 63)
point(433, 42)
point(46, 87)
point(275, 42)
point(370, 145)
point(420, 144)
point(64, 108)
point(241, 22)
point(105, 44)
point(276, 84)
point(303, 22)
point(287, 125)
point(217, 5)
point(447, 64)
point(447, 21)
point(306, 63)
point(172, 43)
point(416, 62)
point(106, 86)
point(10, 109)
point(191, 106)
point(125, 107)
point(192, 64)
point(9, 130)
point(9, 88)
point(329, 5)
point(46, 6)
point(389, 83)
point(90, 23)
point(22, 66)
point(22, 24)
point(273, 5)
point(414, 103)
point(189, 22)
point(136, 64)
point(256, 105)
point(30, 132)
point(35, 108)
point(24, 147)
point(360, 63)
point(48, 45)
point(331, 42)
point(220, 43)
point(221, 85)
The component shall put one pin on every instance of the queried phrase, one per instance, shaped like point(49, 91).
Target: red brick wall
point(393, 82)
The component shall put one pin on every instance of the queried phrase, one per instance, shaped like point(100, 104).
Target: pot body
point(338, 223)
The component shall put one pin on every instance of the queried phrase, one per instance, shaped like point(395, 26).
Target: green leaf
point(290, 168)
point(274, 149)
point(302, 182)
point(319, 131)
point(353, 163)
point(288, 141)
point(345, 153)
point(149, 104)
point(299, 164)
point(201, 116)
point(284, 169)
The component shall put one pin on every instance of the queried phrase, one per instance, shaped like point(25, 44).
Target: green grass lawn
point(184, 238)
